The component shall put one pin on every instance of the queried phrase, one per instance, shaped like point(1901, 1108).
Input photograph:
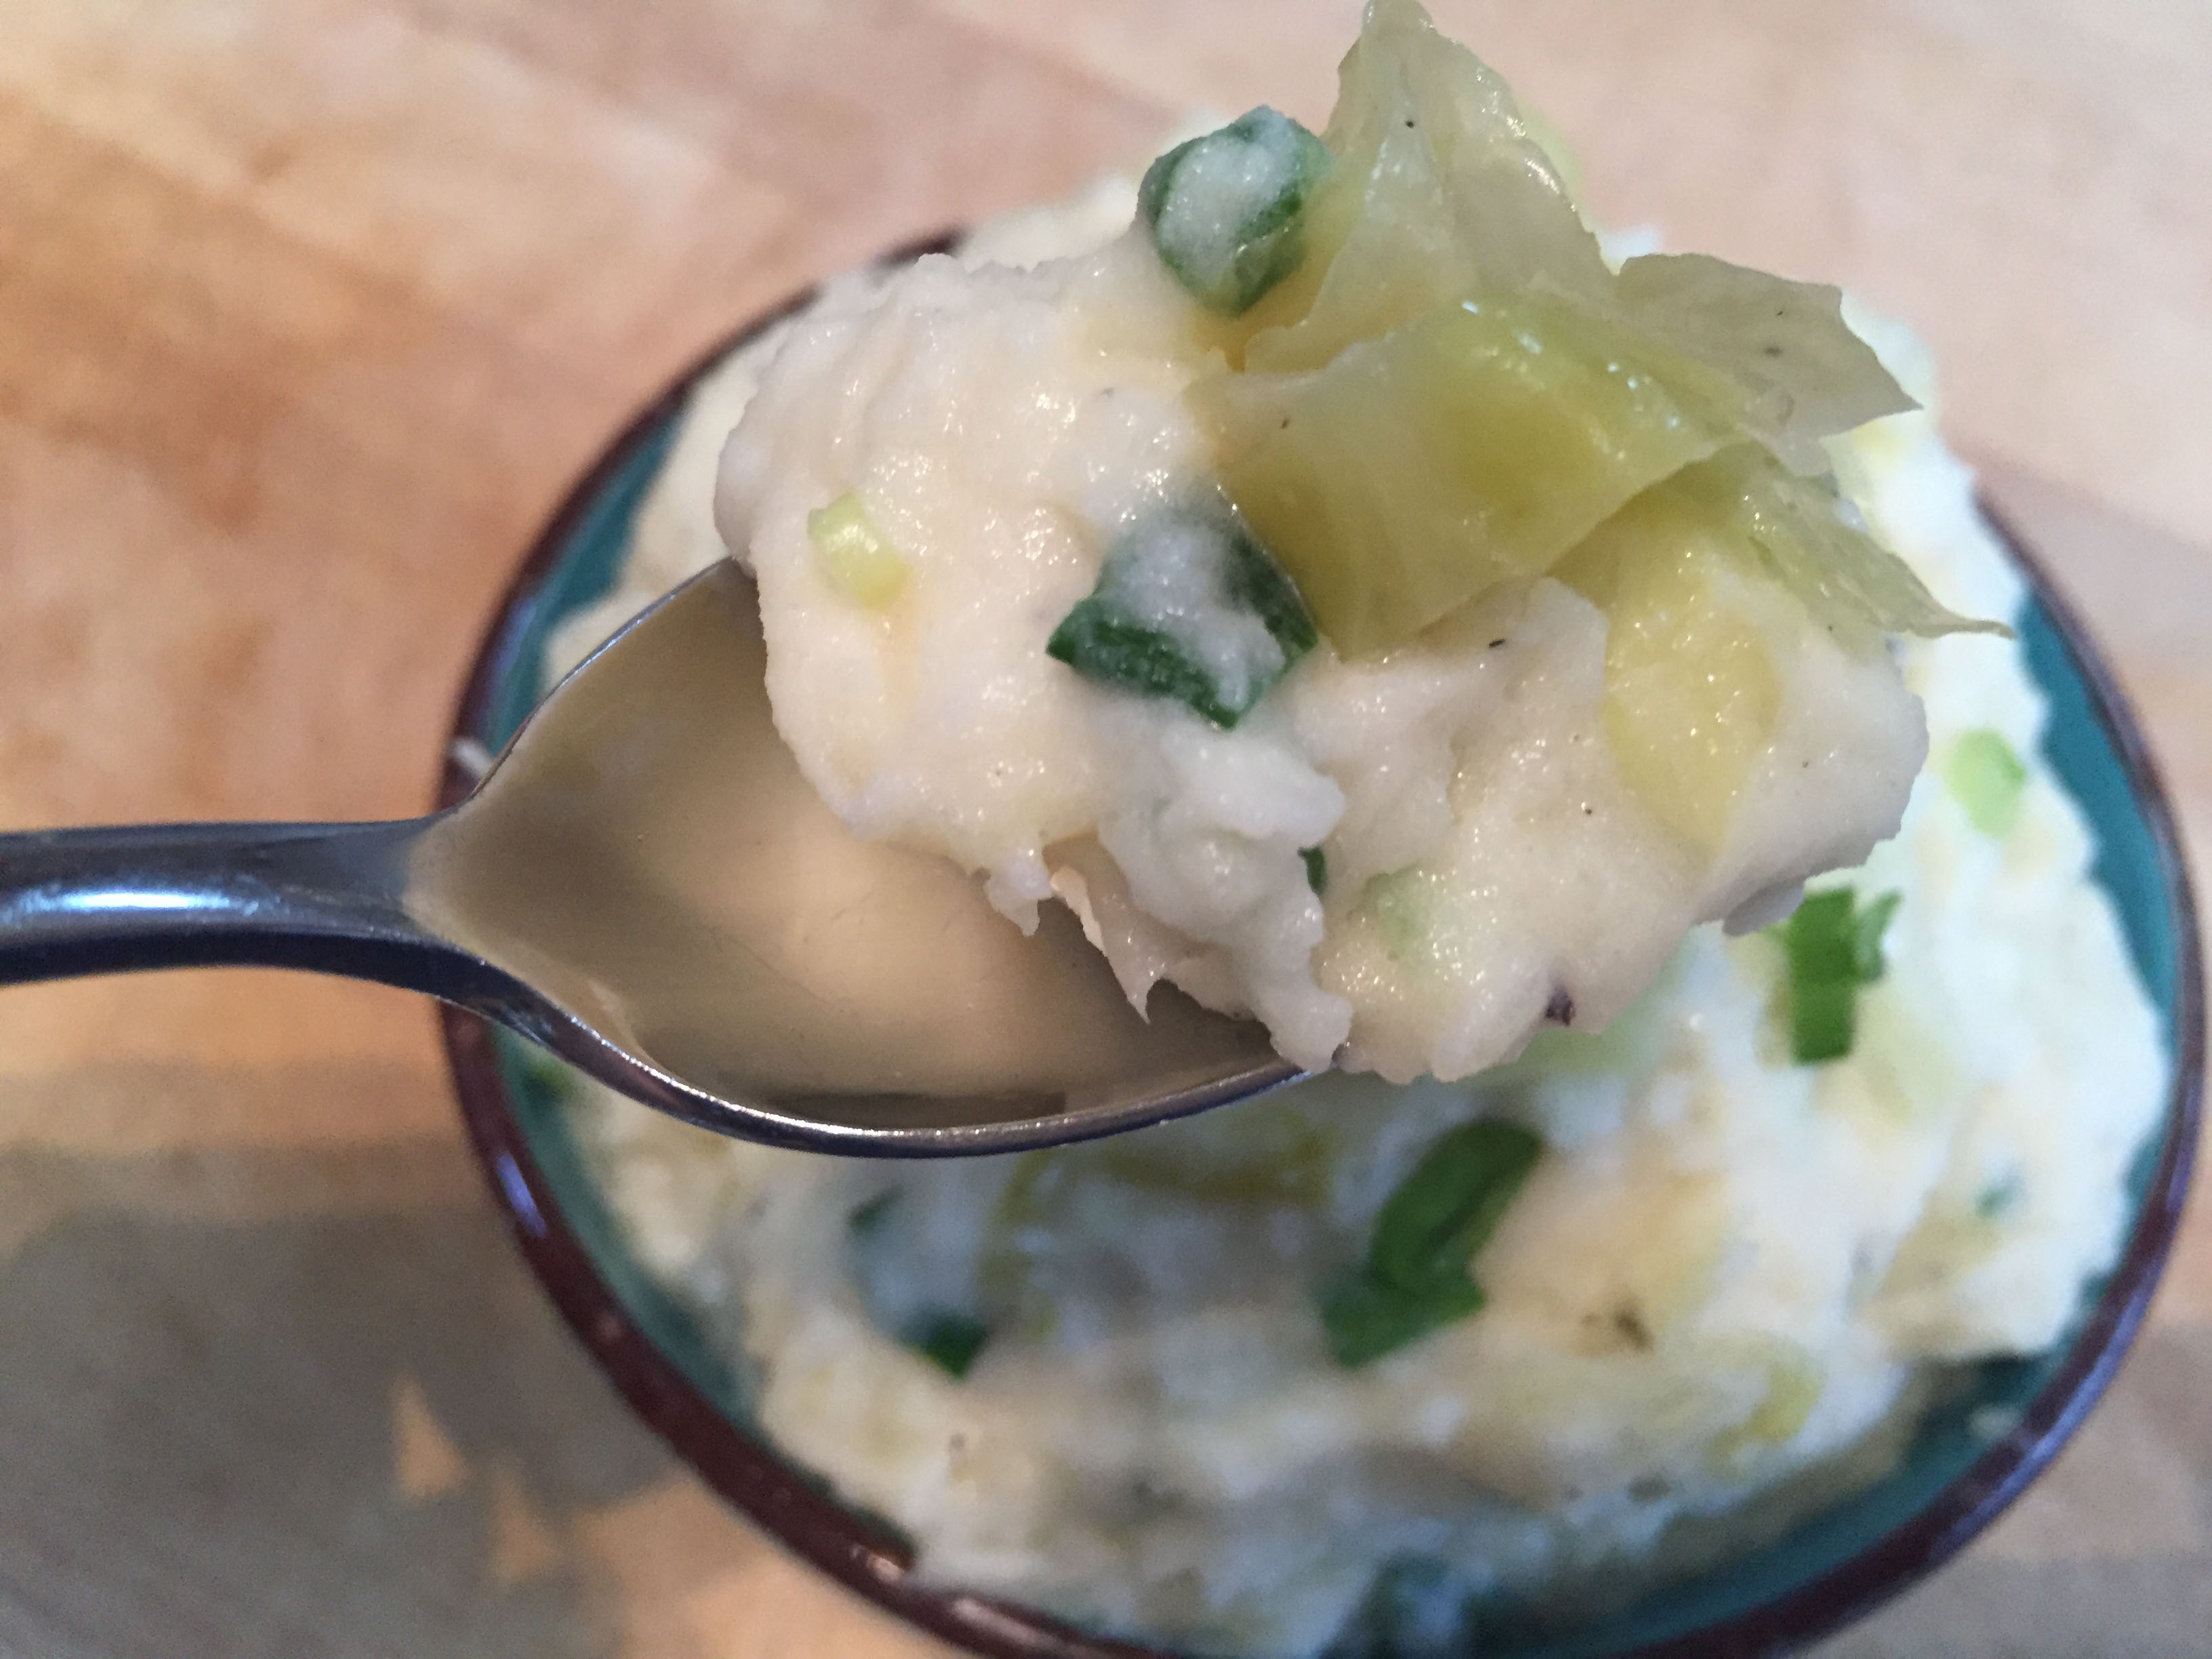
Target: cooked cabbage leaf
point(1786, 343)
point(1442, 189)
point(1476, 445)
point(1454, 388)
point(1799, 532)
point(1691, 689)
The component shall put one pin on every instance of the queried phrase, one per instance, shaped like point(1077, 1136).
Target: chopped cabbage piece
point(1800, 532)
point(1402, 458)
point(1786, 343)
point(1692, 690)
point(1442, 188)
point(1687, 574)
point(1474, 446)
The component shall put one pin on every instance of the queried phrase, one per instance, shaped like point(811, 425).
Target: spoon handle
point(324, 897)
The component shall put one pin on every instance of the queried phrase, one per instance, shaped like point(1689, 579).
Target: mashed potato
point(1513, 754)
point(1105, 1380)
point(1716, 1301)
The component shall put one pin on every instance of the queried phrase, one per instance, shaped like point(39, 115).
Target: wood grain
point(308, 310)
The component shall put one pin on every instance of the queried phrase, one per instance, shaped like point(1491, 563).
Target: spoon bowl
point(648, 857)
point(644, 885)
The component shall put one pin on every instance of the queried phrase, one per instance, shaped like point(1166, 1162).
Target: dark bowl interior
point(1955, 1480)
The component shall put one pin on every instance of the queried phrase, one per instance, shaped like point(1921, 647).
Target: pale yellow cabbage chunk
point(1455, 388)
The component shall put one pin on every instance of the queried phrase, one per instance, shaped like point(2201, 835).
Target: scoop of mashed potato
point(1717, 1302)
point(1100, 1380)
point(1583, 709)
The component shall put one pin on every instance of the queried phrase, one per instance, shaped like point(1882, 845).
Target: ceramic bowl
point(1955, 1480)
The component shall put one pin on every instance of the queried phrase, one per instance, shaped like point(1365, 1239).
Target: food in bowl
point(1364, 605)
point(1364, 1360)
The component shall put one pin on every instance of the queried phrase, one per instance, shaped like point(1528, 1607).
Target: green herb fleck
point(1316, 870)
point(948, 1339)
point(1990, 780)
point(855, 555)
point(1364, 1320)
point(1415, 1278)
point(1447, 1208)
point(1834, 948)
point(1172, 614)
point(1226, 210)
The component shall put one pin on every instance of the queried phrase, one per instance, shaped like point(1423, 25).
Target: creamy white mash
point(1715, 1303)
point(1467, 811)
point(1107, 1381)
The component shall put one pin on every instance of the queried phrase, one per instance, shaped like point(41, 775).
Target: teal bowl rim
point(679, 1395)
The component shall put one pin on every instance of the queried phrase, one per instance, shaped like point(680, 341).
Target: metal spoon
point(646, 885)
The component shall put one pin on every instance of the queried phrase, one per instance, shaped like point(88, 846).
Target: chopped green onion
point(1823, 1020)
point(1989, 779)
point(1445, 1211)
point(859, 560)
point(1868, 929)
point(1188, 606)
point(1415, 1278)
point(1225, 212)
point(1834, 947)
point(948, 1340)
point(1316, 870)
point(1365, 1321)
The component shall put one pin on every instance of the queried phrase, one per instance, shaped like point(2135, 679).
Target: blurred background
point(309, 312)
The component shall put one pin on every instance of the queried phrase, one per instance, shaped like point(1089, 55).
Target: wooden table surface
point(309, 310)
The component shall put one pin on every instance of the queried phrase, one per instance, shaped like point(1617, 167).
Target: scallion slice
point(855, 555)
point(1225, 211)
point(1415, 1278)
point(1188, 606)
point(1834, 948)
point(1366, 1320)
point(1989, 779)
